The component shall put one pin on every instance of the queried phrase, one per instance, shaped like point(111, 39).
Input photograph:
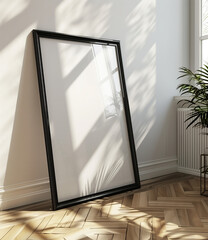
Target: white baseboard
point(191, 171)
point(24, 193)
point(39, 190)
point(157, 168)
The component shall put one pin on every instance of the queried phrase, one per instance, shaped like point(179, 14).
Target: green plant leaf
point(197, 90)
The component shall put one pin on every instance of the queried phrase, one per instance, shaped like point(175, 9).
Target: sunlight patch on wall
point(9, 10)
point(149, 75)
point(141, 23)
point(83, 17)
point(142, 88)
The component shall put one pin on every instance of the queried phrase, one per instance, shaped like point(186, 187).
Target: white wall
point(154, 41)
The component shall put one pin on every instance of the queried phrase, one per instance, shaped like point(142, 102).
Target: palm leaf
point(193, 120)
point(197, 90)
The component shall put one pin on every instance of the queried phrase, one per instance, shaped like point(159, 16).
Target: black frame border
point(37, 34)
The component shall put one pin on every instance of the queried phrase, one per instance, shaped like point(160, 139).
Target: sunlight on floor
point(142, 214)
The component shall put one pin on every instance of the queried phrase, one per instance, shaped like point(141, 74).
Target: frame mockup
point(86, 119)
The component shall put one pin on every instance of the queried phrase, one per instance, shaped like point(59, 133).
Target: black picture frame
point(118, 175)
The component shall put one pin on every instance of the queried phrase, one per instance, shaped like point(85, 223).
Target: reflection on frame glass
point(88, 133)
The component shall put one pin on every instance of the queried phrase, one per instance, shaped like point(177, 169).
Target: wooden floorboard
point(164, 208)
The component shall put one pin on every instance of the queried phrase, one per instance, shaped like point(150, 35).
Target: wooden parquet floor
point(164, 208)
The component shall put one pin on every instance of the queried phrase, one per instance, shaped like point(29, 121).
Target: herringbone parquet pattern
point(169, 208)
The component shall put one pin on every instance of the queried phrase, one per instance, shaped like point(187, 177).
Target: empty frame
point(86, 119)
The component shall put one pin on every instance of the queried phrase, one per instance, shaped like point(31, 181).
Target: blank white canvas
point(89, 136)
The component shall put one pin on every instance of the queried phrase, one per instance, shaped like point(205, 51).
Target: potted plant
point(197, 90)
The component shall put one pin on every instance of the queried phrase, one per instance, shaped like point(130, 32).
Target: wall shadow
point(27, 157)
